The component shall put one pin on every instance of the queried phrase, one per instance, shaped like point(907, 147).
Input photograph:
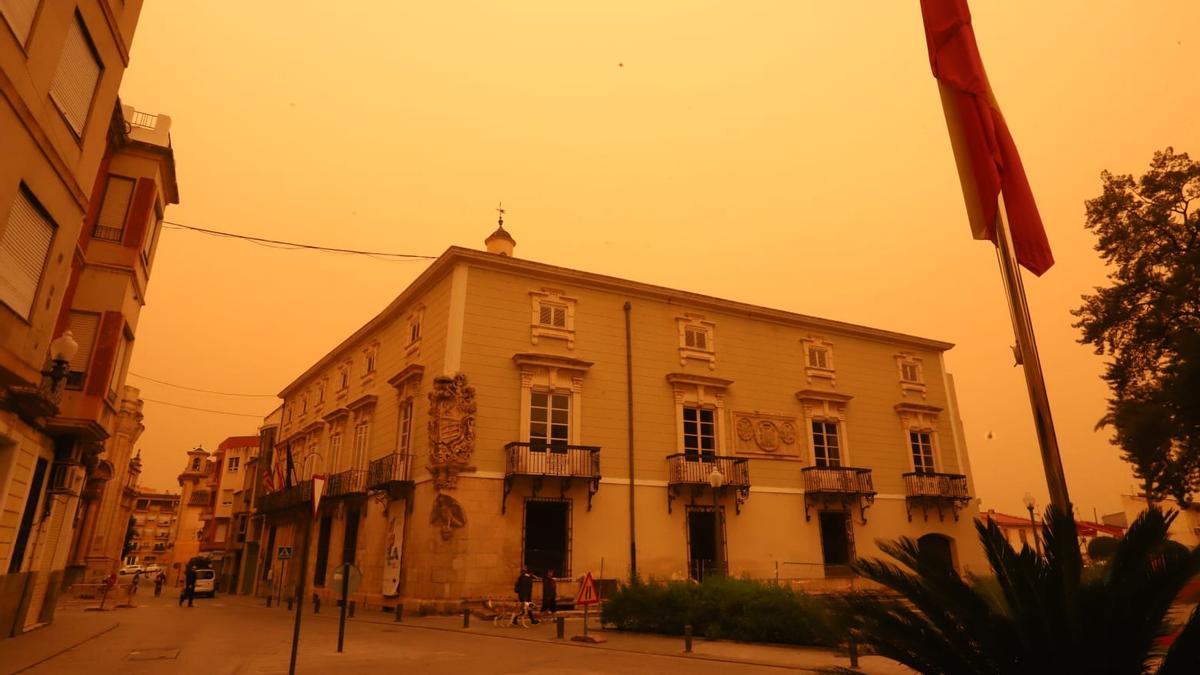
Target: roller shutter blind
point(117, 194)
point(24, 245)
point(83, 327)
point(76, 77)
point(19, 15)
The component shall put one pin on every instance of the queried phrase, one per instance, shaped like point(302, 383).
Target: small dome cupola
point(500, 241)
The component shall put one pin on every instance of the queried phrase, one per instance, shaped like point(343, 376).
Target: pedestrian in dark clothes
point(549, 593)
point(189, 586)
point(524, 586)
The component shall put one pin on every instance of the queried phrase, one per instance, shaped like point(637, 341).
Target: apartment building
point(154, 527)
point(195, 496)
point(503, 413)
point(70, 260)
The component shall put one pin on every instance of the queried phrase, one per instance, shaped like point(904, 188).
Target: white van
point(206, 583)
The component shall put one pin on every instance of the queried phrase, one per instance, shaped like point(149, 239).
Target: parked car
point(126, 573)
point(151, 570)
point(206, 583)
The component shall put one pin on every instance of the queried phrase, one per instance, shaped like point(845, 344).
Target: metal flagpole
point(1027, 355)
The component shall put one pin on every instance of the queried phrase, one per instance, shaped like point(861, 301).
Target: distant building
point(1185, 529)
point(1020, 532)
point(83, 185)
point(154, 530)
point(483, 422)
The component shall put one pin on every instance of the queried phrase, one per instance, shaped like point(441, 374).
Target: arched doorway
point(936, 548)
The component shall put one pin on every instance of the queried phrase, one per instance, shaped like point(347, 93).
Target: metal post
point(466, 618)
point(629, 418)
point(342, 612)
point(316, 603)
point(353, 606)
point(687, 639)
point(1027, 351)
point(853, 648)
point(560, 626)
point(299, 599)
point(585, 621)
point(399, 613)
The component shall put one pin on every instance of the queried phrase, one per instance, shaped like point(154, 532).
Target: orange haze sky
point(791, 154)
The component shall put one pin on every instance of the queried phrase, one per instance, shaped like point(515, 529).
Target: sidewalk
point(801, 659)
point(72, 627)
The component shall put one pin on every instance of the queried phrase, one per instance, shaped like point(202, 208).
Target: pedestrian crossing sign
point(587, 592)
point(285, 552)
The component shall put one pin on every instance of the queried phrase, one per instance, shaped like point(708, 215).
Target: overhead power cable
point(203, 391)
point(207, 410)
point(293, 246)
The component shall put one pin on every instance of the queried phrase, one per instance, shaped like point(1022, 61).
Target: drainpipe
point(629, 416)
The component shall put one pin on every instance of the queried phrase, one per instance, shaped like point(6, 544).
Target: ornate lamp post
point(1030, 504)
point(716, 479)
point(62, 350)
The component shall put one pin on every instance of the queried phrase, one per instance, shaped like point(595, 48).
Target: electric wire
point(295, 246)
point(203, 391)
point(207, 410)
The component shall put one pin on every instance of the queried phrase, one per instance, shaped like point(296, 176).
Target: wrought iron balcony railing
point(926, 488)
point(824, 485)
point(299, 494)
point(696, 469)
point(542, 460)
point(388, 470)
point(347, 483)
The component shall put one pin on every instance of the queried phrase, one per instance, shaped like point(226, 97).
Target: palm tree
point(1038, 614)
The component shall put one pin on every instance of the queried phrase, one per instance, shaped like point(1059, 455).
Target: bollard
point(466, 618)
point(316, 604)
point(687, 639)
point(291, 603)
point(853, 649)
point(399, 613)
point(353, 603)
point(560, 625)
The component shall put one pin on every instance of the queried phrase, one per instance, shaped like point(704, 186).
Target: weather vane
point(500, 210)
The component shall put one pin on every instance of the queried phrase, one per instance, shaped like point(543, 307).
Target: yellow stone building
point(503, 413)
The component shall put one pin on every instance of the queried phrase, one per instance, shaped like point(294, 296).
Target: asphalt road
point(220, 636)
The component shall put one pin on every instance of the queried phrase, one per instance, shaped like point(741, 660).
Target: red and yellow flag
point(987, 159)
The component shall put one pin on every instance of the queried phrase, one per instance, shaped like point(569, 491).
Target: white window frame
point(699, 452)
point(812, 370)
point(106, 227)
point(547, 439)
point(335, 448)
point(921, 418)
point(362, 443)
point(917, 386)
point(552, 299)
point(917, 446)
point(415, 327)
point(370, 360)
point(695, 323)
point(826, 425)
point(404, 437)
point(233, 464)
point(830, 408)
point(699, 391)
point(558, 374)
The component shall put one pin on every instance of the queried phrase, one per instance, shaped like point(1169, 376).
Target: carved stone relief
point(447, 515)
point(758, 433)
point(451, 429)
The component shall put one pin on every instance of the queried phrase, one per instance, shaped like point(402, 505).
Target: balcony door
point(837, 542)
point(706, 542)
point(549, 421)
point(547, 540)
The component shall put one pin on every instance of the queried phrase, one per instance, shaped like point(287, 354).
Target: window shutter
point(83, 327)
point(24, 245)
point(545, 315)
point(19, 14)
point(76, 77)
point(560, 317)
point(111, 223)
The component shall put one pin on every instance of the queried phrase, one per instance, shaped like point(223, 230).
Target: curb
point(66, 649)
point(577, 645)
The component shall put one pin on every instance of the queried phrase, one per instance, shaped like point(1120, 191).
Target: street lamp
point(62, 350)
point(1030, 503)
point(716, 479)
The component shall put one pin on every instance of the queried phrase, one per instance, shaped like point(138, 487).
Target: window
point(226, 498)
point(152, 230)
point(406, 410)
point(118, 371)
point(818, 357)
point(19, 15)
point(233, 464)
point(321, 391)
point(909, 372)
point(110, 225)
point(304, 404)
point(912, 373)
point(414, 331)
point(335, 451)
point(362, 431)
point(24, 247)
point(549, 419)
point(344, 376)
point(696, 338)
point(826, 450)
point(922, 451)
point(76, 77)
point(550, 314)
point(195, 464)
point(370, 361)
point(699, 433)
point(83, 326)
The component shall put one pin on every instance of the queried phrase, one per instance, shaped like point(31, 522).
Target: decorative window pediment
point(697, 339)
point(919, 422)
point(553, 316)
point(370, 360)
point(699, 408)
point(818, 359)
point(407, 380)
point(414, 326)
point(911, 370)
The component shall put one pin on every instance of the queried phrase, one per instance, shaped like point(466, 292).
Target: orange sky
point(791, 154)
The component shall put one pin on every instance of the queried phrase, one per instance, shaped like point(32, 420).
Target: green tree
point(1147, 321)
point(130, 544)
point(1040, 614)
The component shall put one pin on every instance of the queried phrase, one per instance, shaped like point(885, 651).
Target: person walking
point(159, 580)
point(189, 586)
point(524, 590)
point(549, 593)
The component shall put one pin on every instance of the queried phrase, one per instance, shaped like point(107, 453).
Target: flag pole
point(1027, 356)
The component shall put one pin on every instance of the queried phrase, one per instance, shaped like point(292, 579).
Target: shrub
point(721, 607)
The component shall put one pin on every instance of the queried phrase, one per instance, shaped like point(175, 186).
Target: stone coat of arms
point(451, 429)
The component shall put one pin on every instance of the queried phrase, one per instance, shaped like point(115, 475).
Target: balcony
point(826, 485)
point(939, 490)
point(297, 495)
point(347, 484)
point(541, 461)
point(389, 470)
point(684, 469)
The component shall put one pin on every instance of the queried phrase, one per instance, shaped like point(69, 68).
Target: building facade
point(65, 135)
point(503, 413)
point(154, 527)
point(194, 497)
